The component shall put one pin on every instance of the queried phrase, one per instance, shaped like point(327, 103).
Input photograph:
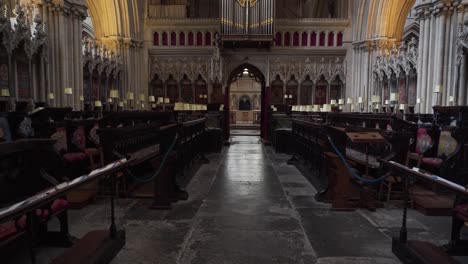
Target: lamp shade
point(109, 100)
point(97, 103)
point(361, 100)
point(114, 94)
point(376, 99)
point(387, 102)
point(316, 108)
point(51, 96)
point(221, 108)
point(350, 101)
point(68, 90)
point(179, 106)
point(451, 99)
point(5, 92)
point(160, 100)
point(151, 99)
point(167, 100)
point(310, 108)
point(394, 96)
point(419, 100)
point(333, 102)
point(154, 105)
point(341, 102)
point(402, 106)
point(121, 104)
point(187, 107)
point(438, 89)
point(130, 96)
point(326, 108)
point(81, 98)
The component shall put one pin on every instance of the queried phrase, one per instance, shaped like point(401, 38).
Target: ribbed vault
point(117, 18)
point(375, 19)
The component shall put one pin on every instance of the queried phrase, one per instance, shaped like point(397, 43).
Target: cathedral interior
point(233, 131)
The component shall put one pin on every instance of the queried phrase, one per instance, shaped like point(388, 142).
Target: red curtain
point(313, 39)
point(322, 39)
point(339, 41)
point(331, 38)
point(182, 39)
point(287, 39)
point(164, 39)
point(190, 39)
point(173, 39)
point(208, 39)
point(320, 95)
point(199, 39)
point(304, 39)
point(156, 39)
point(296, 39)
point(278, 39)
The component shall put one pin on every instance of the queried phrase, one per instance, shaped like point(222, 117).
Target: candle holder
point(437, 91)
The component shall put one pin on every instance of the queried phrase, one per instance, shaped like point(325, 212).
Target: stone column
point(424, 70)
point(419, 87)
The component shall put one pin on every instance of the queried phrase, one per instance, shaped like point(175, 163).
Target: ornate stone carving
point(29, 27)
point(396, 60)
point(329, 68)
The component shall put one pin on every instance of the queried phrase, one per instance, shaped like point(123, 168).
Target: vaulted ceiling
point(117, 18)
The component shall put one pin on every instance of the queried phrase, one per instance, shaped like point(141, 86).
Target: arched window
point(199, 39)
point(304, 39)
point(322, 39)
point(156, 39)
point(164, 38)
point(287, 39)
point(278, 39)
point(331, 39)
point(339, 41)
point(208, 39)
point(313, 39)
point(182, 39)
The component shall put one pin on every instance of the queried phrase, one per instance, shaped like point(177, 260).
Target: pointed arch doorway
point(258, 75)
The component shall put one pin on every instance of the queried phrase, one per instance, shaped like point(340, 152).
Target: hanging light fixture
point(246, 72)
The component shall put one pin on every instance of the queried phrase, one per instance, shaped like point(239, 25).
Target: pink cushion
point(423, 141)
point(462, 212)
point(79, 137)
point(58, 205)
point(434, 162)
point(7, 229)
point(75, 157)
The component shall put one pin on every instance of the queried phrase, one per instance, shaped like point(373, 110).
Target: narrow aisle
point(246, 217)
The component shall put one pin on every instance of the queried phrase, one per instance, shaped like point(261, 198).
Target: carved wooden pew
point(175, 143)
point(281, 132)
point(24, 172)
point(311, 143)
point(414, 251)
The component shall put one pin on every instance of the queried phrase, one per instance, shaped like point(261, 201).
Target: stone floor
point(249, 206)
